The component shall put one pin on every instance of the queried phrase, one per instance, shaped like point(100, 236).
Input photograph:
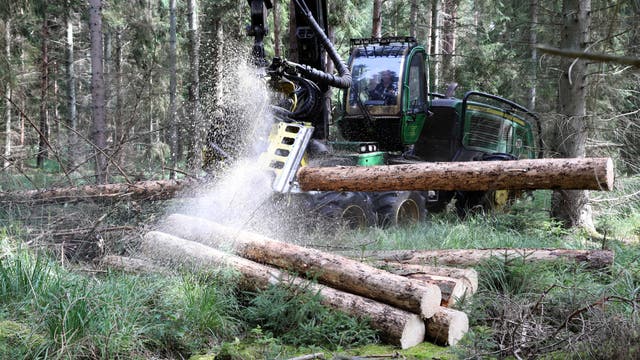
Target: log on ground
point(131, 265)
point(593, 259)
point(468, 276)
point(147, 190)
point(447, 326)
point(397, 326)
point(576, 173)
point(334, 270)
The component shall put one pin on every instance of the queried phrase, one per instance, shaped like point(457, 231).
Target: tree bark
point(43, 139)
point(148, 190)
point(276, 29)
point(376, 27)
point(533, 39)
point(7, 94)
point(293, 43)
point(593, 259)
point(583, 173)
point(413, 18)
point(397, 326)
point(450, 13)
point(71, 96)
point(333, 270)
point(173, 127)
point(195, 118)
point(97, 91)
point(447, 327)
point(434, 48)
point(572, 207)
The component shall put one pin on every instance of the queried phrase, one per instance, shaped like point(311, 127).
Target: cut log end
point(610, 176)
point(430, 301)
point(447, 327)
point(413, 333)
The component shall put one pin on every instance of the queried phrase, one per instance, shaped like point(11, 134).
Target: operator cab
point(387, 101)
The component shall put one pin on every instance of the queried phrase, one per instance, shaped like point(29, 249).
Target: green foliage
point(295, 315)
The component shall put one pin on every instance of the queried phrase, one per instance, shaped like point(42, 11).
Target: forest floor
point(57, 303)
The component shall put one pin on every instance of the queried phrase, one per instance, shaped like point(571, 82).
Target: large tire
point(397, 208)
point(353, 209)
point(485, 202)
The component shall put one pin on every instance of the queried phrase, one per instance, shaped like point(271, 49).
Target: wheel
point(354, 209)
point(484, 202)
point(400, 207)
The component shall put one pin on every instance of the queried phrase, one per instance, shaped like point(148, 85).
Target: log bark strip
point(334, 270)
point(148, 190)
point(468, 276)
point(594, 259)
point(397, 326)
point(577, 173)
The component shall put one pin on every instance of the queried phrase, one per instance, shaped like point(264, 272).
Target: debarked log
point(396, 326)
point(575, 173)
point(331, 269)
point(593, 259)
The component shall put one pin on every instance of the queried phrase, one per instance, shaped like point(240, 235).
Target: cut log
point(334, 270)
point(396, 326)
point(131, 265)
point(447, 326)
point(147, 190)
point(469, 277)
point(451, 289)
point(577, 173)
point(594, 259)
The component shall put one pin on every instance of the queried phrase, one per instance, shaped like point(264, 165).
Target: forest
point(105, 95)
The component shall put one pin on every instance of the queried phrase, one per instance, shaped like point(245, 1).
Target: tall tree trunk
point(7, 94)
point(97, 91)
point(293, 43)
point(173, 128)
point(376, 27)
point(195, 118)
point(276, 28)
point(44, 84)
point(118, 131)
point(572, 207)
point(413, 18)
point(450, 10)
point(71, 96)
point(533, 40)
point(106, 63)
point(435, 43)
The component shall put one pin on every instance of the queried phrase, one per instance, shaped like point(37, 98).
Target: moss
point(424, 350)
point(17, 339)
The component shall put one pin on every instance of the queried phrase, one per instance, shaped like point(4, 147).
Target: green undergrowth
point(49, 311)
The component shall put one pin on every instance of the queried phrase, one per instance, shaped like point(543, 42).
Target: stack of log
point(405, 299)
point(407, 305)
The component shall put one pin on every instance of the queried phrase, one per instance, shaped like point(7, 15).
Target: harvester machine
point(384, 114)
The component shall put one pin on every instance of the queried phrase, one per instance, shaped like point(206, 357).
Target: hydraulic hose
point(343, 79)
